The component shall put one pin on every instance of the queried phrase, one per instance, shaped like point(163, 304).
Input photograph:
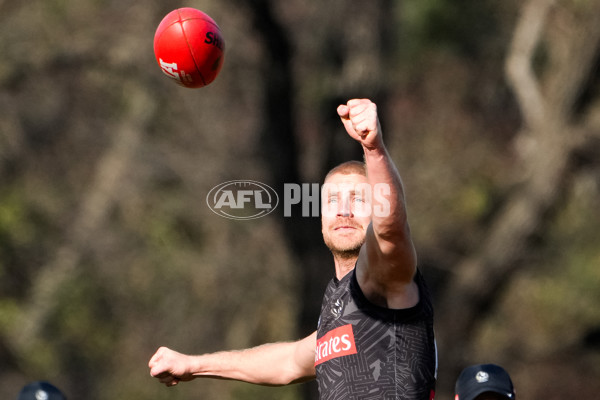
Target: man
point(484, 382)
point(375, 334)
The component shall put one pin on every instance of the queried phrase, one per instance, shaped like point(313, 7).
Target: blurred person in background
point(40, 390)
point(484, 382)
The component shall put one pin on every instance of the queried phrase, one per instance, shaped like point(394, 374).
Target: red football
point(189, 47)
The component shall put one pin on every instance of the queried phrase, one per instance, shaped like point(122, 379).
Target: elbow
point(293, 377)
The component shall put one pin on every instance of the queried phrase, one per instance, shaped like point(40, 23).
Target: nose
point(344, 208)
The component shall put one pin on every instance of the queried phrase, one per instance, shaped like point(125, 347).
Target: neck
point(344, 263)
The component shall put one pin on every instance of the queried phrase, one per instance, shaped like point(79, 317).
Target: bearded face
point(345, 213)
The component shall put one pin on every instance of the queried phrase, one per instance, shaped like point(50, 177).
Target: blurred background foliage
point(108, 249)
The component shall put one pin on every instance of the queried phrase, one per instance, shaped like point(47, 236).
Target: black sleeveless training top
point(369, 352)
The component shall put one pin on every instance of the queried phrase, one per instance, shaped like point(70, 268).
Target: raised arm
point(387, 262)
point(273, 364)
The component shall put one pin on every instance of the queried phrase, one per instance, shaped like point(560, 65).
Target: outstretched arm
point(271, 364)
point(387, 262)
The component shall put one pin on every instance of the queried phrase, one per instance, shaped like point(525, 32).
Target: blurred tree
point(555, 130)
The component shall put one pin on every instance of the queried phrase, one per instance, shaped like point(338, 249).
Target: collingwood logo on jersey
point(337, 308)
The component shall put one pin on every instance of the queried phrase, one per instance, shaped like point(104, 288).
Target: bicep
point(304, 358)
point(390, 259)
point(385, 270)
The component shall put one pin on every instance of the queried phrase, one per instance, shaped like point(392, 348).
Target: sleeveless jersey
point(367, 352)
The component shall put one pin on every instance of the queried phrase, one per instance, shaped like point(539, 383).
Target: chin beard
point(344, 251)
point(345, 254)
point(343, 248)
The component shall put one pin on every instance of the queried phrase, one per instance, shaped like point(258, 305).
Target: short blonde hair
point(347, 168)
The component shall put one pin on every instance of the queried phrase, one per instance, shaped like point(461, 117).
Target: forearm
point(389, 208)
point(270, 364)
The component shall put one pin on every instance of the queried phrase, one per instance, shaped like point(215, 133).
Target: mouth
point(344, 227)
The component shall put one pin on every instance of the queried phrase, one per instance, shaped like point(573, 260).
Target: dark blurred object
point(40, 390)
